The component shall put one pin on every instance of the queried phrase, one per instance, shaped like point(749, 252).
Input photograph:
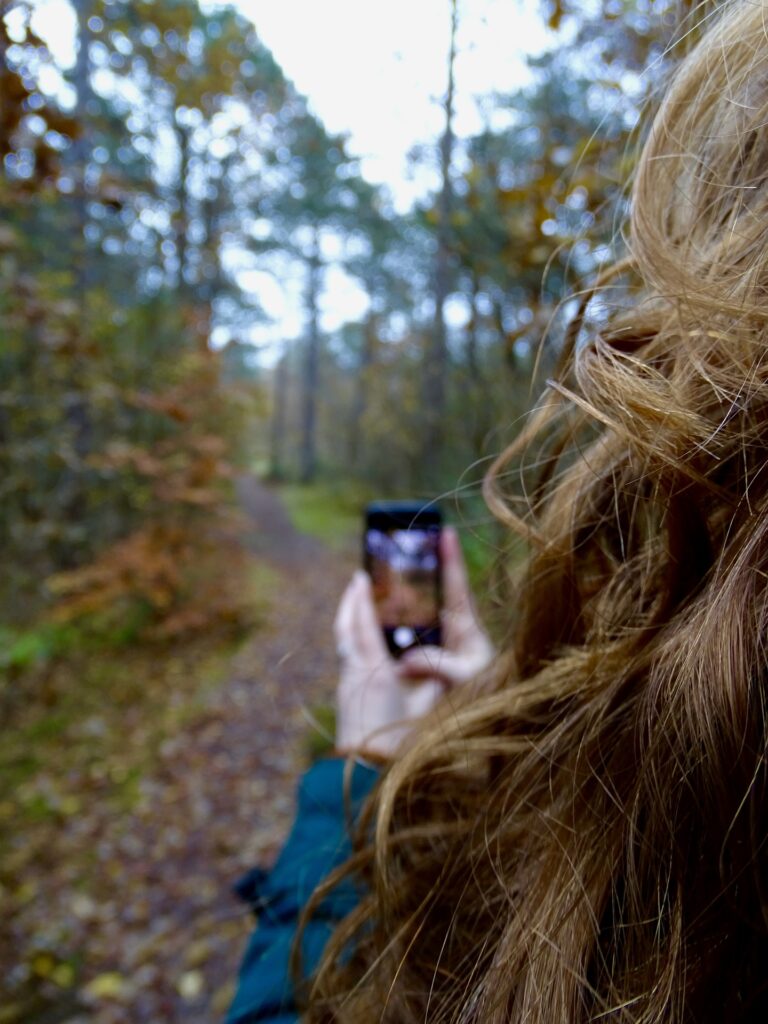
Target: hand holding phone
point(467, 649)
point(375, 708)
point(380, 699)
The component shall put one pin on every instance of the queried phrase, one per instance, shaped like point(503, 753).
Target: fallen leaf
point(190, 985)
point(110, 985)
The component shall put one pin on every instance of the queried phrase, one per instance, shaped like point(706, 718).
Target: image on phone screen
point(404, 564)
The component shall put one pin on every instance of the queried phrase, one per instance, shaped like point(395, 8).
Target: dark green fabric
point(318, 843)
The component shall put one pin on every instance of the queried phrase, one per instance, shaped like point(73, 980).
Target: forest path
point(153, 915)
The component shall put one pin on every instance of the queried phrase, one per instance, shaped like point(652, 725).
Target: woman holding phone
point(580, 833)
point(379, 702)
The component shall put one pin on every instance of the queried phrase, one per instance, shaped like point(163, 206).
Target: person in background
point(379, 702)
point(578, 832)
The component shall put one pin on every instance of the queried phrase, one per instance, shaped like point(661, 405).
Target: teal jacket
point(318, 843)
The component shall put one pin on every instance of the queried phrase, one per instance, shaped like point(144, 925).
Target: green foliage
point(30, 648)
point(119, 425)
point(332, 514)
point(40, 645)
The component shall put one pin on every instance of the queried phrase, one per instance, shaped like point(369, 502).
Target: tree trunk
point(7, 122)
point(214, 208)
point(471, 350)
point(81, 77)
point(362, 389)
point(477, 404)
point(76, 409)
point(278, 424)
point(437, 353)
point(308, 454)
point(508, 346)
point(182, 213)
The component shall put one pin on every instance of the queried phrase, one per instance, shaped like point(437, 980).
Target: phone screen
point(402, 555)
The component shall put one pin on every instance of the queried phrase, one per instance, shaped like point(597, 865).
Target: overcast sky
point(376, 70)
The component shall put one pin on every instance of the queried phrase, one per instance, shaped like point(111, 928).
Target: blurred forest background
point(175, 155)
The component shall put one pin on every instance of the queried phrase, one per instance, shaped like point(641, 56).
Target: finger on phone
point(428, 662)
point(455, 583)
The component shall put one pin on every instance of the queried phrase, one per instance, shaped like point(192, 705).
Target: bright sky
point(378, 72)
point(379, 77)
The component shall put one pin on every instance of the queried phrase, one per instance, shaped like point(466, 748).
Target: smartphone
point(401, 552)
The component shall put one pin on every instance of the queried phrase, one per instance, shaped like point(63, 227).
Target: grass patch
point(333, 515)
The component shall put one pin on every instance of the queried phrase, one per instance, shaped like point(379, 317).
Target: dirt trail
point(162, 934)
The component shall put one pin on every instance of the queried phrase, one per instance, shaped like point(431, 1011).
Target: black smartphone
point(401, 552)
